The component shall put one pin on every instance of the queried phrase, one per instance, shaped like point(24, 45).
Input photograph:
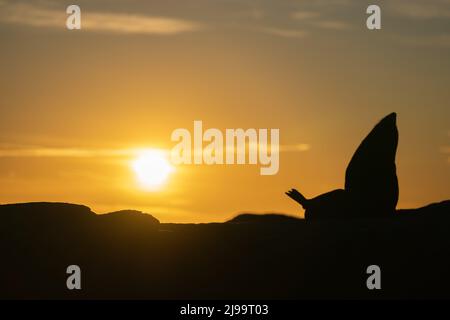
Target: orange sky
point(75, 104)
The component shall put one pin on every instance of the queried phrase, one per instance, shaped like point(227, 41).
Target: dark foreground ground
point(129, 255)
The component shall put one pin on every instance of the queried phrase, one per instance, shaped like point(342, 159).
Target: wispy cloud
point(40, 16)
point(254, 14)
point(49, 152)
point(305, 15)
point(332, 24)
point(301, 147)
point(426, 17)
point(421, 10)
point(285, 33)
point(30, 152)
point(315, 19)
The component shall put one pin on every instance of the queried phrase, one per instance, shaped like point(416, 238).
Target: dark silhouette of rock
point(131, 222)
point(136, 215)
point(439, 210)
point(42, 213)
point(52, 210)
point(254, 257)
point(371, 186)
point(270, 218)
point(371, 179)
point(80, 219)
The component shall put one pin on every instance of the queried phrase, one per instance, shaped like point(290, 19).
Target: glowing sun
point(152, 168)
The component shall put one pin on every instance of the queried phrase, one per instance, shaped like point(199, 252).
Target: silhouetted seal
point(371, 185)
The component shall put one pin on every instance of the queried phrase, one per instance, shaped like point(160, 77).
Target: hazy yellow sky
point(75, 104)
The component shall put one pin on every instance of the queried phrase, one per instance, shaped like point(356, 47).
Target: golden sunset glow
point(152, 169)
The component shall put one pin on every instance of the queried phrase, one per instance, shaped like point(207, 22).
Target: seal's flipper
point(298, 197)
point(370, 178)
